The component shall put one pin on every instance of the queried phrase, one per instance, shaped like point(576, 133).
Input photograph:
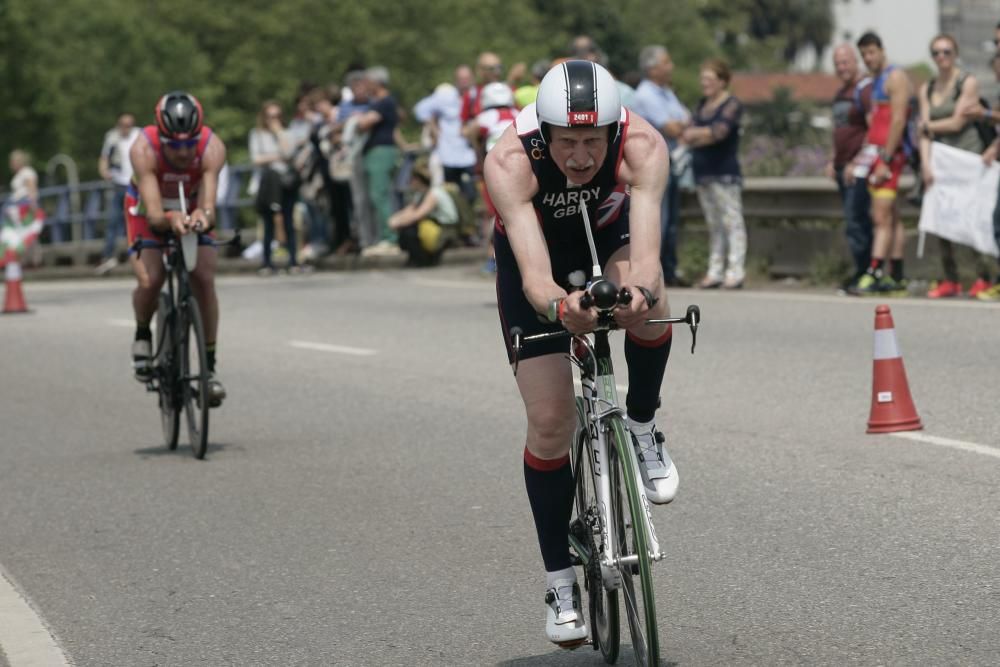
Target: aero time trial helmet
point(578, 93)
point(178, 115)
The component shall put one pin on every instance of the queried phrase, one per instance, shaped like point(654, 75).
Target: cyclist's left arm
point(203, 217)
point(645, 168)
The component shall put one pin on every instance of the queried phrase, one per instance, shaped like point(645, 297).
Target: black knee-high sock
point(647, 361)
point(896, 269)
point(550, 492)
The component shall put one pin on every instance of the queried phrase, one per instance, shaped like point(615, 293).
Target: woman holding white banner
point(944, 101)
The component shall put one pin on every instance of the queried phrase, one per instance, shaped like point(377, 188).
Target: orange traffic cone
point(892, 405)
point(14, 298)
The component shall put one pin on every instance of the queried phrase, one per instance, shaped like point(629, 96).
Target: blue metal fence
point(79, 213)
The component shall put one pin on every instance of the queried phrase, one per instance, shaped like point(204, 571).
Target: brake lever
point(692, 318)
point(515, 345)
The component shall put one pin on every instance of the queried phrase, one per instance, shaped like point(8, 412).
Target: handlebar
point(605, 296)
point(172, 241)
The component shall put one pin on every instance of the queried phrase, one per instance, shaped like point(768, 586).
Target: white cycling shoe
point(659, 475)
point(564, 619)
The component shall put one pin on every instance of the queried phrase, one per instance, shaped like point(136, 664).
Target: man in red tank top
point(881, 161)
point(178, 149)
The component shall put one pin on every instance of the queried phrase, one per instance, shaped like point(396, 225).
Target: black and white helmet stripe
point(581, 82)
point(578, 93)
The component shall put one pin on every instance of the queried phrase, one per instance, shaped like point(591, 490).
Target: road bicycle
point(611, 532)
point(180, 359)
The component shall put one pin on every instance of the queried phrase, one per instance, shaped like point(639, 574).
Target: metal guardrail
point(74, 232)
point(77, 215)
point(792, 199)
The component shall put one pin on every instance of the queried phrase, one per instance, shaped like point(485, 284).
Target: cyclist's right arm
point(512, 184)
point(144, 167)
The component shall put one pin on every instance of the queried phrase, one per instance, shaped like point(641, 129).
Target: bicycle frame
point(177, 285)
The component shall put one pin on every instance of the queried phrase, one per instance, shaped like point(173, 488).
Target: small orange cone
point(14, 298)
point(892, 405)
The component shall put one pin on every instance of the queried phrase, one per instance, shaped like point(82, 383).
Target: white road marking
point(946, 442)
point(122, 323)
point(23, 636)
point(325, 347)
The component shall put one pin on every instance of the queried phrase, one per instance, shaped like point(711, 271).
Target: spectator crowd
point(333, 174)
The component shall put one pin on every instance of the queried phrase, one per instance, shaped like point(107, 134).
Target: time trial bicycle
point(180, 376)
point(611, 532)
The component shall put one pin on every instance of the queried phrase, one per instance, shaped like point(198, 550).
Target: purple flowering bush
point(772, 156)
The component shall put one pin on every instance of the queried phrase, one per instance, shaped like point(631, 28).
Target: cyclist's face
point(579, 152)
point(180, 156)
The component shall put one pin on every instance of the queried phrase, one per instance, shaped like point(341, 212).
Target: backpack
point(987, 131)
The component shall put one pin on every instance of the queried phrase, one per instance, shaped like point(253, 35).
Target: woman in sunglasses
point(944, 102)
point(179, 148)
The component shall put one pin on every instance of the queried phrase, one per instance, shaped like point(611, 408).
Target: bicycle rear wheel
point(194, 378)
point(165, 367)
point(629, 520)
point(585, 529)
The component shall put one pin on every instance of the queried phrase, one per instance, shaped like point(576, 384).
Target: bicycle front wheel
point(586, 534)
point(166, 371)
point(629, 521)
point(194, 377)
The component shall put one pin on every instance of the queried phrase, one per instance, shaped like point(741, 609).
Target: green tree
point(768, 33)
point(68, 67)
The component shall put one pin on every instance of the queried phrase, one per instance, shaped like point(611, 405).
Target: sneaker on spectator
point(382, 249)
point(867, 284)
point(980, 285)
point(991, 294)
point(106, 266)
point(944, 289)
point(870, 285)
point(889, 286)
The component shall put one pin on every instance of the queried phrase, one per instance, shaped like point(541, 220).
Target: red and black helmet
point(178, 115)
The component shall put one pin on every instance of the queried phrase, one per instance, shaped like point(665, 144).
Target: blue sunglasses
point(180, 143)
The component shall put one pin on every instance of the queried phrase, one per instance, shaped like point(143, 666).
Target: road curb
point(238, 265)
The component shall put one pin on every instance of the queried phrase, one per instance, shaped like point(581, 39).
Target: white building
point(905, 26)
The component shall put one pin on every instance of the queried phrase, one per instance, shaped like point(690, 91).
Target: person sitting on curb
point(426, 224)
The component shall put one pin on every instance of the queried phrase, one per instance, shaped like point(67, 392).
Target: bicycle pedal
point(575, 644)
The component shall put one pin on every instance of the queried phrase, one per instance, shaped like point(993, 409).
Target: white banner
point(959, 204)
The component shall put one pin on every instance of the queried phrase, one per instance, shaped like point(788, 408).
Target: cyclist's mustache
point(572, 164)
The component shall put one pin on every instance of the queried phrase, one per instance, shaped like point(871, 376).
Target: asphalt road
point(362, 501)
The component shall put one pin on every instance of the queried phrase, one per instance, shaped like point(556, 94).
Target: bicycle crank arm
point(581, 553)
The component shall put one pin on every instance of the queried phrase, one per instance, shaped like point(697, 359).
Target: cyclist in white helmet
point(498, 112)
point(577, 146)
